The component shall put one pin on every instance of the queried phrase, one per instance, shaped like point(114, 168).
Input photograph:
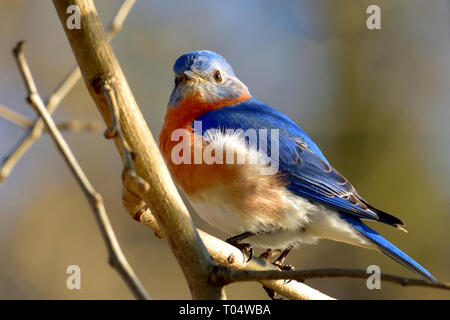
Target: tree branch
point(56, 97)
point(78, 125)
point(100, 67)
point(73, 125)
point(116, 257)
point(229, 276)
point(14, 117)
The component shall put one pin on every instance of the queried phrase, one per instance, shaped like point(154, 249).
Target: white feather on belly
point(305, 223)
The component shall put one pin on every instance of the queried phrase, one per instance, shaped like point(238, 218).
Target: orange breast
point(181, 117)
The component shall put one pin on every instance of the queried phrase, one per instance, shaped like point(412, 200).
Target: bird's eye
point(217, 76)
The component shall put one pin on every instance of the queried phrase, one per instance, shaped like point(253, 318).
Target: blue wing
point(306, 171)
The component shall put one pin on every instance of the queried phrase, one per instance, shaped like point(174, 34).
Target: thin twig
point(119, 18)
point(57, 96)
point(38, 127)
point(72, 125)
point(229, 276)
point(78, 125)
point(14, 117)
point(115, 131)
point(116, 257)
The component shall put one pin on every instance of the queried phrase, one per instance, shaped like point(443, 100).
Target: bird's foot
point(283, 267)
point(245, 248)
point(279, 263)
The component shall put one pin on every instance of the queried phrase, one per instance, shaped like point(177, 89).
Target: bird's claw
point(267, 255)
point(284, 267)
point(246, 250)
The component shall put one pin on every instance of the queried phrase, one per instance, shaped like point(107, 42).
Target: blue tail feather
point(388, 248)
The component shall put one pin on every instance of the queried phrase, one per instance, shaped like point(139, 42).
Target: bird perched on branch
point(251, 172)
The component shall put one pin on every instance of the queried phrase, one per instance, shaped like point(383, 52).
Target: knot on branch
point(219, 275)
point(99, 82)
point(110, 133)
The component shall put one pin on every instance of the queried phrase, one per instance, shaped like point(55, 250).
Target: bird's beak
point(189, 75)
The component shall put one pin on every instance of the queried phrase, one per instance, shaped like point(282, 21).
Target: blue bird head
point(206, 76)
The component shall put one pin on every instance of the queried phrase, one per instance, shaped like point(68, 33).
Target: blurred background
point(375, 101)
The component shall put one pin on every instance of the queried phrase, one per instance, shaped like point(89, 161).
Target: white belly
point(303, 223)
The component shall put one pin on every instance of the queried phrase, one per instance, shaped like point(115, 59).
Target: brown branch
point(229, 276)
point(73, 125)
point(116, 257)
point(99, 67)
point(56, 97)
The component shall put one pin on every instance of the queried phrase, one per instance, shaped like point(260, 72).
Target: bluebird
point(305, 199)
